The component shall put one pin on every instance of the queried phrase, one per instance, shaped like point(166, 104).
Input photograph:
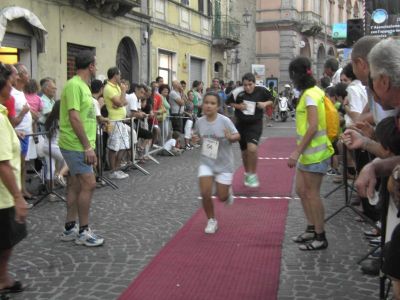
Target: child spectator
point(172, 146)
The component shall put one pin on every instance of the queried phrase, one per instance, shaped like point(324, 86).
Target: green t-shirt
point(77, 96)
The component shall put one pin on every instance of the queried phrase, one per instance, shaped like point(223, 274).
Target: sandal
point(15, 288)
point(314, 245)
point(4, 297)
point(305, 237)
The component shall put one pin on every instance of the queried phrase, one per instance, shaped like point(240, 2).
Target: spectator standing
point(332, 70)
point(77, 142)
point(49, 90)
point(249, 105)
point(13, 208)
point(177, 106)
point(384, 77)
point(118, 141)
point(312, 155)
point(189, 113)
point(163, 112)
point(25, 125)
point(34, 102)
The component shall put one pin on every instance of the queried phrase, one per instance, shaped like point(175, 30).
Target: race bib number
point(250, 108)
point(210, 148)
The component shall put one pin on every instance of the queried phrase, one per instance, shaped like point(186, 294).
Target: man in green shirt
point(77, 142)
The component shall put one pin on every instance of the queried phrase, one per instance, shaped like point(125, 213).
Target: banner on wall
point(259, 73)
point(382, 18)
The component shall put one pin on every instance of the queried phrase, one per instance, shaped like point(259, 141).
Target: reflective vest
point(320, 147)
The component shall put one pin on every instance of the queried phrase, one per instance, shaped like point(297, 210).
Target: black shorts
point(391, 255)
point(144, 134)
point(249, 133)
point(11, 232)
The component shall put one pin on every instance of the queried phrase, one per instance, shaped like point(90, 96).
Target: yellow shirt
point(9, 150)
point(110, 91)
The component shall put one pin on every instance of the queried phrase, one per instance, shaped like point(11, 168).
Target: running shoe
point(70, 235)
point(230, 199)
point(89, 239)
point(252, 181)
point(212, 226)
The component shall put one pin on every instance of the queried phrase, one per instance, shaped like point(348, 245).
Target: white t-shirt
point(171, 143)
point(133, 102)
point(26, 124)
point(96, 107)
point(336, 77)
point(357, 96)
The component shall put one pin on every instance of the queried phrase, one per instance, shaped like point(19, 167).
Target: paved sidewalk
point(140, 217)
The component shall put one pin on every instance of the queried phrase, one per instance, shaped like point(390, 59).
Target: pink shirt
point(34, 101)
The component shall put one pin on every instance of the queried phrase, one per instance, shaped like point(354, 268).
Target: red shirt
point(10, 105)
point(157, 100)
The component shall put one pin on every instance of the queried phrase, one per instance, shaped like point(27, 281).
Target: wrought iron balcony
point(226, 31)
point(311, 23)
point(112, 8)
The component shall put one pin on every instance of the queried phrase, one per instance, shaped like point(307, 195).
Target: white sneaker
point(212, 226)
point(118, 175)
point(70, 235)
point(89, 239)
point(122, 173)
point(230, 199)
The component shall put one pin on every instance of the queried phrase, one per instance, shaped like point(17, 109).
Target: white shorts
point(119, 138)
point(223, 178)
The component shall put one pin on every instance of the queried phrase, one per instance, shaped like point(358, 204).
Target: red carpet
point(241, 261)
point(274, 175)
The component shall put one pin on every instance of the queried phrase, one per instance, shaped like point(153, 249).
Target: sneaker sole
point(67, 238)
point(78, 242)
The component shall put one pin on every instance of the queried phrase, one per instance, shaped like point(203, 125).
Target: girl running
point(217, 133)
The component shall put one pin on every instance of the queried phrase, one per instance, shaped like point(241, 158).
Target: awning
point(16, 12)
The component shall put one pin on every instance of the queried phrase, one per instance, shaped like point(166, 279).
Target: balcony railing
point(311, 23)
point(226, 31)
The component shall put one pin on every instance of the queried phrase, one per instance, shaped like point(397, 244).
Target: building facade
point(46, 35)
point(180, 40)
point(288, 28)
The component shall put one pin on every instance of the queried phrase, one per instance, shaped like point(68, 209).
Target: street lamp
point(246, 17)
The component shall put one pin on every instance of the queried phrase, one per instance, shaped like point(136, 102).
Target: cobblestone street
point(146, 211)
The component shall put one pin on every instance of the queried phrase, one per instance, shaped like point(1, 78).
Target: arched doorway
point(331, 52)
point(305, 49)
point(320, 61)
point(219, 70)
point(127, 60)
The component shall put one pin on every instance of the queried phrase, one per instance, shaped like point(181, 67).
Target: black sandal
point(15, 288)
point(314, 245)
point(4, 297)
point(305, 237)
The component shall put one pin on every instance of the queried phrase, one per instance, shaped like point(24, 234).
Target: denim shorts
point(24, 143)
point(321, 167)
point(75, 161)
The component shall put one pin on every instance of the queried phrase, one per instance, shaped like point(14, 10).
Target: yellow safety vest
point(320, 147)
